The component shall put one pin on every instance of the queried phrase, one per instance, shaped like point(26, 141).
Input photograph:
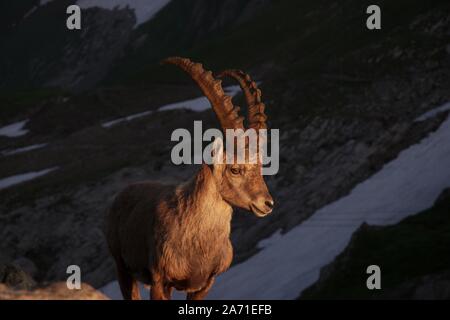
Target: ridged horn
point(226, 112)
point(256, 116)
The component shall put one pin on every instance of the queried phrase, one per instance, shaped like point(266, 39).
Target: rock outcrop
point(56, 291)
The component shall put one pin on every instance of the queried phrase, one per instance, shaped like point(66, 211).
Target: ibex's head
point(240, 184)
point(243, 186)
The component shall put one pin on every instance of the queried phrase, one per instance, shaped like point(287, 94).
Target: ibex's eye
point(235, 170)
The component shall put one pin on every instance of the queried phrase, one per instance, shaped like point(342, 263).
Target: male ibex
point(179, 236)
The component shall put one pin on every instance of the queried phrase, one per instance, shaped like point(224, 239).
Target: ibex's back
point(179, 236)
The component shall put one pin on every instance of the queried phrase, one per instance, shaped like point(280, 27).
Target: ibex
point(179, 236)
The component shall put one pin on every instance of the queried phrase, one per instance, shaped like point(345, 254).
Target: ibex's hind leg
point(201, 294)
point(128, 285)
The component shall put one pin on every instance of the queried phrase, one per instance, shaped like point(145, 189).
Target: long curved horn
point(256, 116)
point(222, 105)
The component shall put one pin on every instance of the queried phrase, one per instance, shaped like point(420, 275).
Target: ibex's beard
point(258, 212)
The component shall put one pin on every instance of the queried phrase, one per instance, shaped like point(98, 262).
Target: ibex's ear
point(217, 152)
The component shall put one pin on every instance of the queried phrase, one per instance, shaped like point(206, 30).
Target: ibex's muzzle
point(262, 206)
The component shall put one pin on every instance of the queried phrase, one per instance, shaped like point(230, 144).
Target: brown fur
point(179, 236)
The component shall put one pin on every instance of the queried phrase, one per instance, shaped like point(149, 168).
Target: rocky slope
point(345, 102)
point(16, 283)
point(57, 291)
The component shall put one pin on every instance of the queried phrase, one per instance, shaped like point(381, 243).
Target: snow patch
point(14, 130)
point(144, 10)
point(30, 12)
point(44, 2)
point(112, 291)
point(128, 118)
point(433, 113)
point(265, 243)
point(23, 149)
point(13, 180)
point(197, 105)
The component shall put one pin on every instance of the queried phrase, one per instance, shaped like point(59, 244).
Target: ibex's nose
point(269, 204)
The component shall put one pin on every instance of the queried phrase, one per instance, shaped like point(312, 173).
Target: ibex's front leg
point(201, 294)
point(159, 290)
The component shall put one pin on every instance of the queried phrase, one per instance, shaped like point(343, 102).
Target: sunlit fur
point(179, 236)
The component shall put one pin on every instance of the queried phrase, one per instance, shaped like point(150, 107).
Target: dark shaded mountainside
point(40, 51)
point(345, 99)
